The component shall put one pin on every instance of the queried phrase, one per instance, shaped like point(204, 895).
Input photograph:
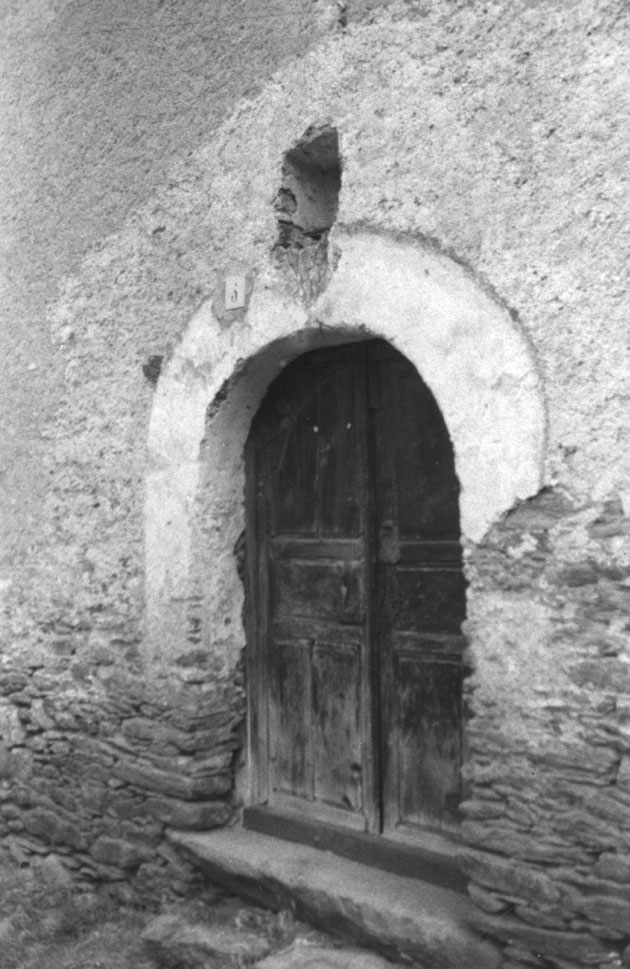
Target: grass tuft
point(48, 925)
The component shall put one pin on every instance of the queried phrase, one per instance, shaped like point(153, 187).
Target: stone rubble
point(173, 941)
point(185, 940)
point(94, 771)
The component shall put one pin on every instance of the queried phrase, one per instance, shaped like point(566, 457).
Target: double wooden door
point(355, 596)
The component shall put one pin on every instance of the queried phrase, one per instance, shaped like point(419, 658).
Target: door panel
point(357, 596)
point(421, 592)
point(427, 720)
point(423, 488)
point(315, 439)
point(324, 589)
point(292, 729)
point(338, 727)
point(310, 469)
point(429, 599)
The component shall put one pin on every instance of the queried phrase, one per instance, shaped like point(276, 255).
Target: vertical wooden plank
point(384, 530)
point(291, 458)
point(338, 465)
point(425, 480)
point(291, 715)
point(337, 724)
point(429, 741)
point(371, 667)
point(256, 628)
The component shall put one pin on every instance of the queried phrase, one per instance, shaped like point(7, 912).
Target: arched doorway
point(355, 597)
point(465, 344)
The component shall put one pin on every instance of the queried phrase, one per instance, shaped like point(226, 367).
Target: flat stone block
point(118, 853)
point(174, 942)
point(575, 947)
point(301, 956)
point(190, 815)
point(171, 784)
point(399, 916)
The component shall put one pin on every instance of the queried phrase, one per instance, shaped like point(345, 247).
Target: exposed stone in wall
point(306, 207)
point(94, 766)
point(549, 742)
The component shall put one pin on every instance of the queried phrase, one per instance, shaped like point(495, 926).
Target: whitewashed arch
point(462, 341)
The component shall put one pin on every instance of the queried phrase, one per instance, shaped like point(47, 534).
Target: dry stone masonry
point(94, 770)
point(547, 815)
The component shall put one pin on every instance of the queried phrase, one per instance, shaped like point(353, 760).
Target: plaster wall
point(97, 101)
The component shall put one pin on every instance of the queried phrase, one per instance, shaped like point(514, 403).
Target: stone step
point(401, 917)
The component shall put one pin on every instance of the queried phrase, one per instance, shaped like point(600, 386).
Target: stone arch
point(464, 344)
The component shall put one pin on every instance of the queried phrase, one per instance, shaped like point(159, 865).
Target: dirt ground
point(46, 924)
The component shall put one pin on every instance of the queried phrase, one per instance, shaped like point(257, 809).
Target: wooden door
point(420, 592)
point(355, 595)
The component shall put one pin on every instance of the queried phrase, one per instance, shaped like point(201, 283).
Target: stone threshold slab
point(399, 916)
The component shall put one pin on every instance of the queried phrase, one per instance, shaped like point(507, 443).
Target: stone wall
point(549, 739)
point(95, 763)
point(492, 134)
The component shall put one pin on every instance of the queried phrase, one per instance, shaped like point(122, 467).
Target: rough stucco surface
point(496, 133)
point(97, 101)
point(479, 151)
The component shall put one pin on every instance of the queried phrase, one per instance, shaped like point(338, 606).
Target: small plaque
point(235, 291)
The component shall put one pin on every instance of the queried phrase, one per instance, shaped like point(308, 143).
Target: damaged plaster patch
point(306, 208)
point(152, 368)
